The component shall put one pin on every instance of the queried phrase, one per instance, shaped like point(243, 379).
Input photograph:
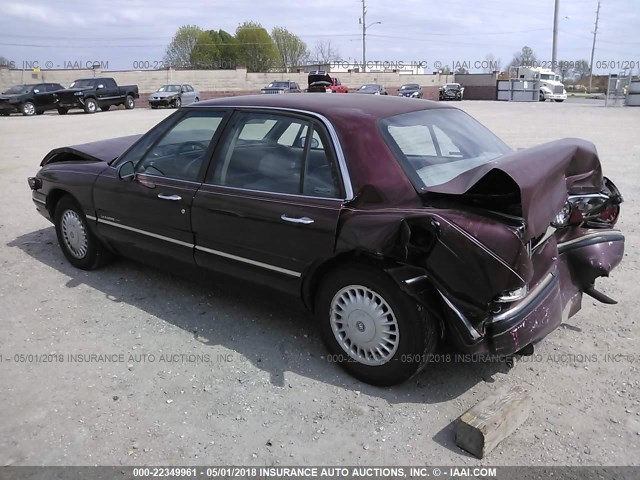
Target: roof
point(330, 106)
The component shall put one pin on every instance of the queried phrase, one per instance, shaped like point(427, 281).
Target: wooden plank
point(481, 428)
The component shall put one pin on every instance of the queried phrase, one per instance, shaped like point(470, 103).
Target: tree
point(5, 62)
point(324, 53)
point(255, 47)
point(206, 52)
point(461, 71)
point(523, 58)
point(178, 53)
point(492, 64)
point(445, 70)
point(228, 50)
point(292, 51)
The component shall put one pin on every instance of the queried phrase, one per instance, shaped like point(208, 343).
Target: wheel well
point(53, 197)
point(313, 279)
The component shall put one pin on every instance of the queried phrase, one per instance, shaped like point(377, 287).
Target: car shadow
point(271, 330)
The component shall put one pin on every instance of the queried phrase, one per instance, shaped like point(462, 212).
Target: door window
point(277, 153)
point(181, 152)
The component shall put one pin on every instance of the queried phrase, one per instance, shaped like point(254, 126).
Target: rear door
point(110, 93)
point(270, 203)
point(150, 215)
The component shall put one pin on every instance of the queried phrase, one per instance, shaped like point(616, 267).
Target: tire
point(196, 100)
point(177, 103)
point(154, 106)
point(63, 110)
point(105, 108)
point(90, 105)
point(409, 339)
point(78, 244)
point(541, 97)
point(4, 113)
point(28, 109)
point(559, 100)
point(129, 103)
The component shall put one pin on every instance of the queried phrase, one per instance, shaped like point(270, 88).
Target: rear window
point(435, 146)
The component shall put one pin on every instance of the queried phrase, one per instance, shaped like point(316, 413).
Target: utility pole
point(593, 48)
point(554, 48)
point(364, 34)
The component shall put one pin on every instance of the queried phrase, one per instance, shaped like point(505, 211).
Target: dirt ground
point(221, 372)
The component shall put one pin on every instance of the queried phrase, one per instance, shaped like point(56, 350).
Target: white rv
point(551, 88)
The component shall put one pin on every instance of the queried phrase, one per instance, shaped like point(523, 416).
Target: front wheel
point(90, 105)
point(28, 109)
point(62, 110)
point(78, 243)
point(560, 100)
point(177, 103)
point(129, 103)
point(541, 97)
point(372, 329)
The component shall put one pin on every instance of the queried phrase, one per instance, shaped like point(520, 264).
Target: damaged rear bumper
point(556, 296)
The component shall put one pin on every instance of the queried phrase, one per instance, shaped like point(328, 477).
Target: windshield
point(82, 83)
point(279, 85)
point(409, 87)
point(19, 89)
point(545, 76)
point(169, 88)
point(435, 146)
point(369, 87)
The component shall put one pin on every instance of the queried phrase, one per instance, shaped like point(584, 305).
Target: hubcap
point(74, 234)
point(91, 106)
point(364, 325)
point(29, 109)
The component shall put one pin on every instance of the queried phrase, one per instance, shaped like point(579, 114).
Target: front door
point(270, 204)
point(150, 214)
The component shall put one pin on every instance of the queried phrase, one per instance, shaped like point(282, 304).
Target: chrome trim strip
point(250, 191)
point(533, 294)
point(91, 217)
point(472, 331)
point(612, 233)
point(342, 162)
point(249, 261)
point(39, 201)
point(415, 279)
point(144, 232)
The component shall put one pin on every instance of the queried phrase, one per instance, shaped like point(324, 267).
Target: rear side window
point(279, 154)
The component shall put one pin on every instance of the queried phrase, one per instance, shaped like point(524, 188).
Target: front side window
point(181, 152)
point(277, 153)
point(435, 146)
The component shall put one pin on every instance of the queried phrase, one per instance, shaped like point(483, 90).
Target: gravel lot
point(238, 374)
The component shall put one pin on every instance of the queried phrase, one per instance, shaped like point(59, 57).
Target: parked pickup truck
point(90, 94)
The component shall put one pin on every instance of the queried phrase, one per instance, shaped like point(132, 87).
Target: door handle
point(301, 220)
point(174, 198)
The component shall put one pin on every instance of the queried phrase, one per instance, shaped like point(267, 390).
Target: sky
point(125, 34)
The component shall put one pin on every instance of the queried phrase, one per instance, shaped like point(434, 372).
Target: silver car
point(174, 95)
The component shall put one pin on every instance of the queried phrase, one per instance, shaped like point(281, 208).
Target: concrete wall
point(225, 81)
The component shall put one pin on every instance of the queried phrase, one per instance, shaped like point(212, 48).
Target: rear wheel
point(129, 103)
point(90, 105)
point(372, 329)
point(62, 110)
point(28, 109)
point(78, 243)
point(4, 113)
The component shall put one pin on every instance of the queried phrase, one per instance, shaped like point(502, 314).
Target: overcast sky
point(121, 32)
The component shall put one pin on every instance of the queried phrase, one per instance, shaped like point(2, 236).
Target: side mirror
point(35, 90)
point(126, 171)
point(100, 86)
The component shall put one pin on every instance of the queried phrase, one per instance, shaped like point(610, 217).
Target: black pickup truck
point(90, 94)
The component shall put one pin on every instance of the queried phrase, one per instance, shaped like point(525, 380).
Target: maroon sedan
point(398, 223)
